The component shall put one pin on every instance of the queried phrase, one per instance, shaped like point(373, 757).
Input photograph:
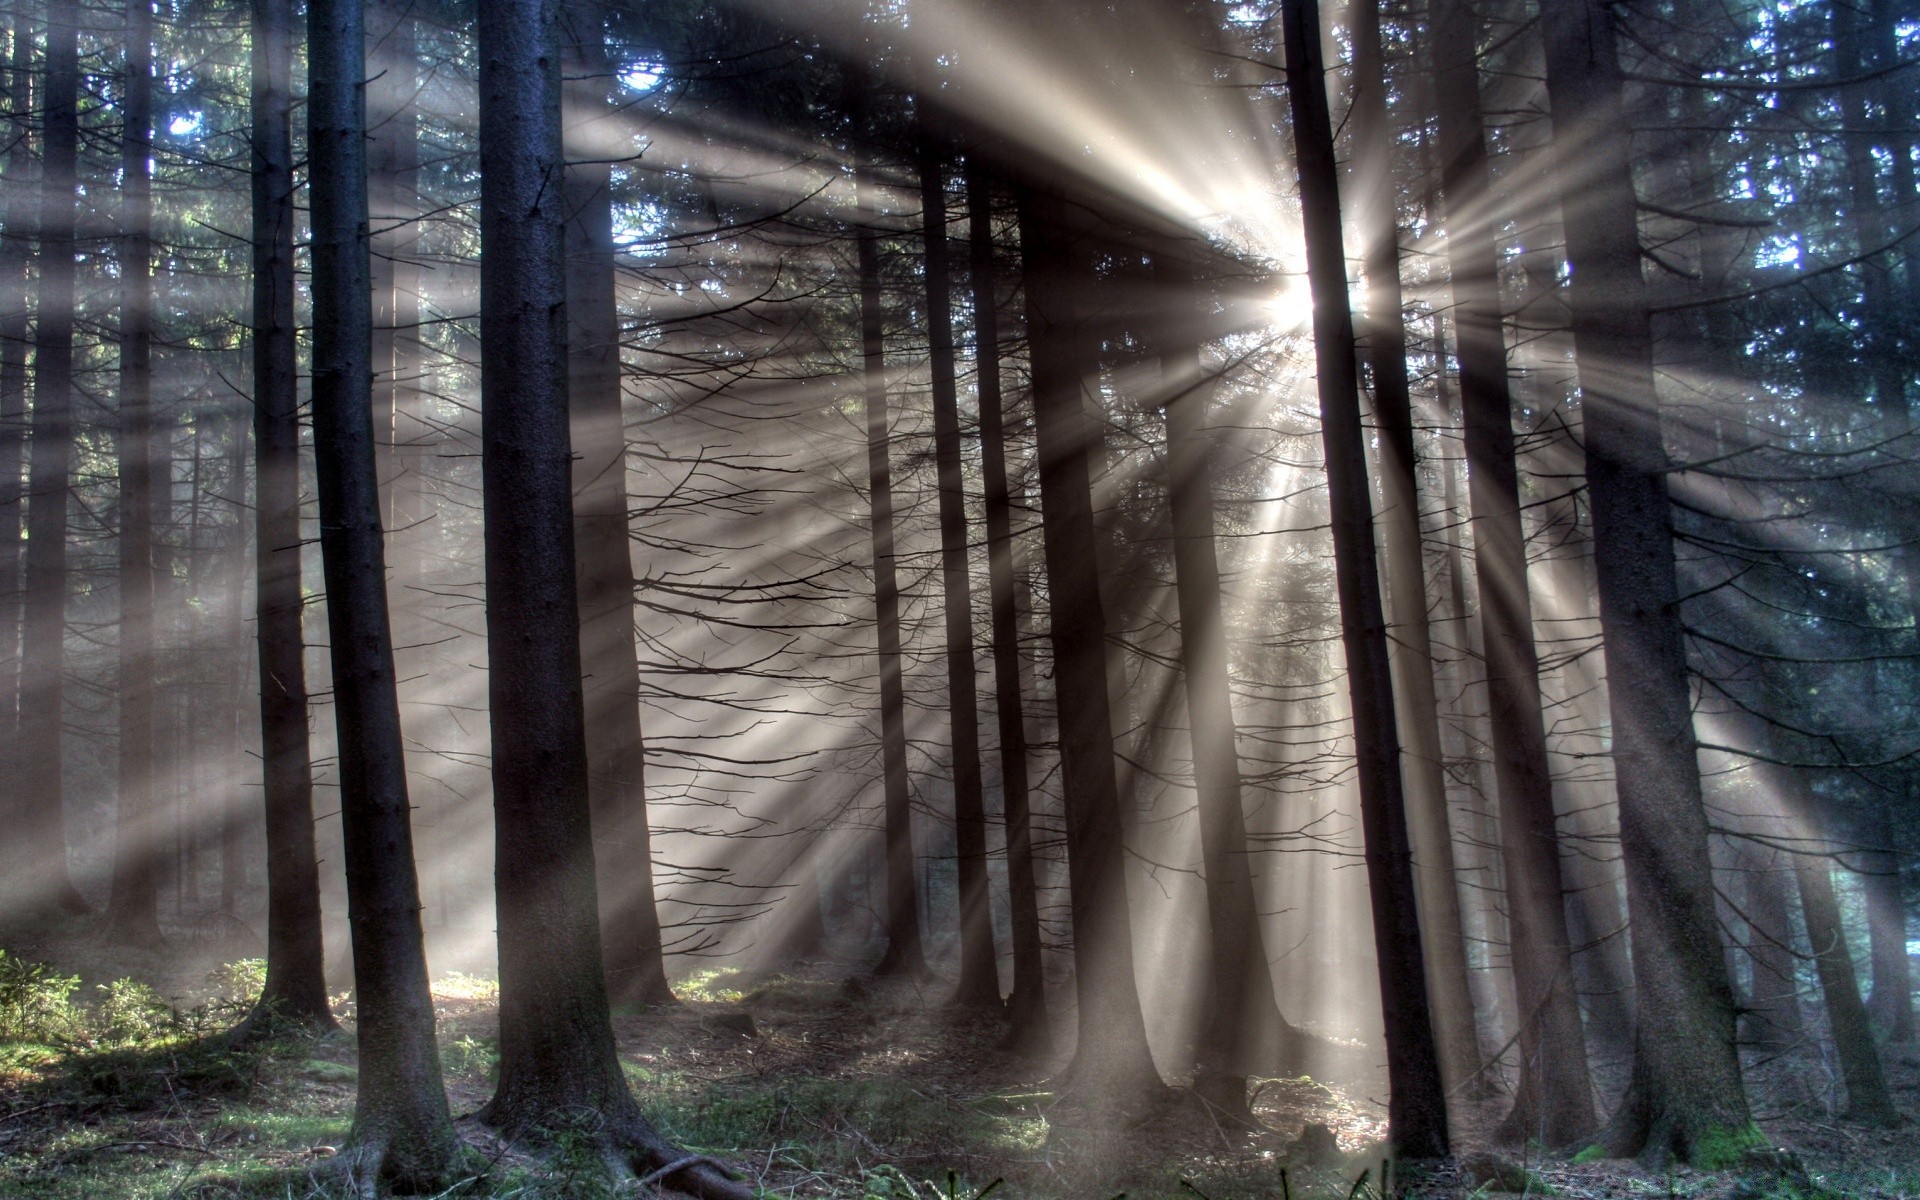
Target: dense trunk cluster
point(1453, 459)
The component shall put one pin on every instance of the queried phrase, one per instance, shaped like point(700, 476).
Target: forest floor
point(812, 1083)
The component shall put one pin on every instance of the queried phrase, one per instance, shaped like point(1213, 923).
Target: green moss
point(1720, 1148)
point(1592, 1153)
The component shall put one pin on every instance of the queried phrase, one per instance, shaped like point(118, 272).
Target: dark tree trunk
point(1417, 1110)
point(296, 988)
point(1773, 1020)
point(1554, 1100)
point(616, 756)
point(16, 223)
point(1685, 1090)
point(229, 760)
point(557, 1057)
point(903, 955)
point(1240, 1005)
point(1411, 646)
point(1892, 1003)
point(1868, 1099)
point(979, 983)
point(43, 875)
point(401, 1129)
point(133, 917)
point(1029, 1029)
point(1111, 1065)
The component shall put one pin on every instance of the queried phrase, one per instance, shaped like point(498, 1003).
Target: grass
point(109, 1093)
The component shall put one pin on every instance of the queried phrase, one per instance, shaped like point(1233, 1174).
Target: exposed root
point(633, 1154)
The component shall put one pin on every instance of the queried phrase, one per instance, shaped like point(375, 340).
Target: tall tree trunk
point(1554, 1100)
point(903, 955)
point(132, 917)
point(1411, 646)
point(1495, 1007)
point(557, 1055)
point(1773, 1019)
point(296, 988)
point(1892, 1003)
point(1417, 1111)
point(979, 983)
point(1684, 1095)
point(1240, 1003)
point(1111, 1064)
point(1868, 1099)
point(44, 878)
point(1029, 1029)
point(616, 755)
point(16, 225)
point(230, 706)
point(401, 1130)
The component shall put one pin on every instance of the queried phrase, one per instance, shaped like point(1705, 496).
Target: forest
point(900, 599)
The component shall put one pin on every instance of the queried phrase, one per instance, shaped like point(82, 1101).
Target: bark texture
point(1685, 1091)
point(979, 973)
point(903, 955)
point(1028, 1026)
point(1417, 1111)
point(296, 988)
point(1553, 1102)
point(401, 1130)
point(42, 875)
point(133, 912)
point(603, 568)
point(558, 1064)
point(1111, 1064)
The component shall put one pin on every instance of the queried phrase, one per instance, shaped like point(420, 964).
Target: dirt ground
point(816, 1083)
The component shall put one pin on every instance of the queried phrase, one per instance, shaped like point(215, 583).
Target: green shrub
point(36, 1003)
point(130, 1012)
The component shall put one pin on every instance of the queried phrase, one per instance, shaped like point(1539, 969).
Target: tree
point(1554, 1099)
point(1241, 1003)
point(1028, 1025)
point(1384, 348)
point(557, 1056)
point(979, 976)
point(616, 755)
point(296, 986)
point(1685, 1093)
point(132, 916)
point(44, 877)
point(1111, 1064)
point(1417, 1112)
point(16, 220)
point(903, 955)
point(402, 1133)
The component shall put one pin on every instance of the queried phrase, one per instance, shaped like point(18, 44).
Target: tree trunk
point(401, 1129)
point(44, 878)
point(903, 956)
point(16, 225)
point(1684, 1097)
point(557, 1056)
point(1240, 1004)
point(1411, 646)
point(1554, 1100)
point(979, 983)
point(229, 760)
point(1773, 1021)
point(616, 755)
point(133, 917)
point(1892, 1003)
point(1111, 1065)
point(1417, 1111)
point(296, 988)
point(1868, 1099)
point(1029, 1029)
